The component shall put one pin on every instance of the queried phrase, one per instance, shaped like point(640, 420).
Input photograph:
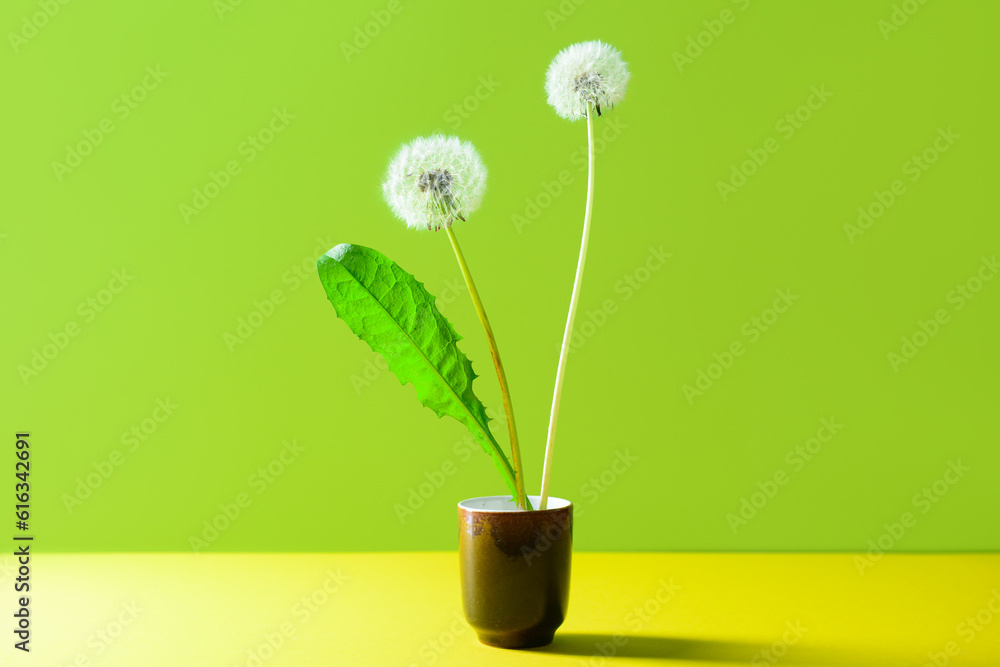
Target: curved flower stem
point(573, 303)
point(515, 452)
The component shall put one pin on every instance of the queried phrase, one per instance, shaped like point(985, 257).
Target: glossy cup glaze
point(515, 568)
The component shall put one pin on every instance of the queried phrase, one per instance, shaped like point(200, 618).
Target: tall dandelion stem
point(515, 452)
point(570, 319)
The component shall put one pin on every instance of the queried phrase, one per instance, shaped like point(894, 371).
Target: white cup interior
point(506, 504)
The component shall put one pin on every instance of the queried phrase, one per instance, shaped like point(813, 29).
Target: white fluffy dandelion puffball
point(583, 74)
point(433, 181)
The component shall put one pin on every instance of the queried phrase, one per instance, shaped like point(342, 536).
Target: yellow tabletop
point(404, 609)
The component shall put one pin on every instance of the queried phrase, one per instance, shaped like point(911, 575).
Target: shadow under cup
point(515, 568)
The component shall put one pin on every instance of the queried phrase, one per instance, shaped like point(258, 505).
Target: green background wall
point(166, 333)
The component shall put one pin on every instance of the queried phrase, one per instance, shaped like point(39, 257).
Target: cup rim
point(464, 505)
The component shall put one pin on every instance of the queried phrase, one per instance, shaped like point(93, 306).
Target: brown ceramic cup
point(515, 569)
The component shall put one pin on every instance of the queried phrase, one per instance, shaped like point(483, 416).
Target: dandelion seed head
point(434, 181)
point(586, 74)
